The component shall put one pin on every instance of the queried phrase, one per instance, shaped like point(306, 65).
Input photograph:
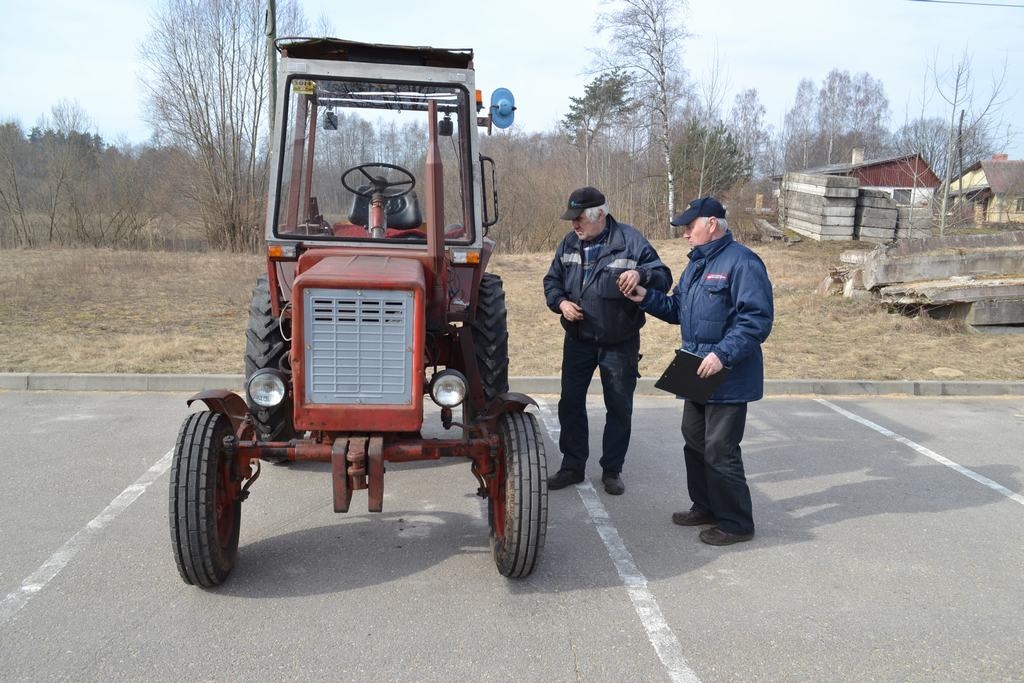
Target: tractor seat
point(403, 212)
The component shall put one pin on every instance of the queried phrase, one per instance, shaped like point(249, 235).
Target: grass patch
point(95, 310)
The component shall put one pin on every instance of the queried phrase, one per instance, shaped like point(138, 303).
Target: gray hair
point(592, 212)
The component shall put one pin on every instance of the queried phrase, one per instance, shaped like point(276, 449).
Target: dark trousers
point(714, 465)
point(618, 364)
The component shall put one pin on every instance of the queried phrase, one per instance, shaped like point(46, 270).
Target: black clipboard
point(681, 378)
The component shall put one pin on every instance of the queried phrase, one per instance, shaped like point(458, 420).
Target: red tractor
point(375, 296)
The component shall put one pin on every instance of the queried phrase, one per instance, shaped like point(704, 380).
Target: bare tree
point(798, 132)
point(868, 118)
point(747, 123)
point(14, 227)
point(207, 81)
point(712, 89)
point(67, 159)
point(647, 36)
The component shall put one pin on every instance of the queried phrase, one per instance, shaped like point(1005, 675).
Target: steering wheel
point(379, 184)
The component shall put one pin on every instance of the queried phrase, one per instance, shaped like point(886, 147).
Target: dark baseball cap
point(705, 207)
point(583, 198)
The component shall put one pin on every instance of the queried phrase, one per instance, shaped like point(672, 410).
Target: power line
point(971, 4)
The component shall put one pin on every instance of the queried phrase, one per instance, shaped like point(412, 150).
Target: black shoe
point(693, 518)
point(564, 478)
point(715, 536)
point(613, 483)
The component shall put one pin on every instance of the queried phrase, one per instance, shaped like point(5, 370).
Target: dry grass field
point(152, 312)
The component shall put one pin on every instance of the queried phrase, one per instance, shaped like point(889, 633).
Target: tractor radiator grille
point(358, 346)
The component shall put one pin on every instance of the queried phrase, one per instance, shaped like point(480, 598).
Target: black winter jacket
point(608, 316)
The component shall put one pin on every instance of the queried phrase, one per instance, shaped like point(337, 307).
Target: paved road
point(888, 548)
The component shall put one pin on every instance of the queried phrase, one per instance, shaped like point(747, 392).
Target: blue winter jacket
point(722, 303)
point(608, 316)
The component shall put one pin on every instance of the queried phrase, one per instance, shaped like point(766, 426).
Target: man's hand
point(570, 311)
point(637, 294)
point(628, 281)
point(709, 366)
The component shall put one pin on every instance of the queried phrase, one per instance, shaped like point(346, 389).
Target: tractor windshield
point(353, 161)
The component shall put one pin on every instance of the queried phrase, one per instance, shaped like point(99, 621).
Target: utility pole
point(960, 156)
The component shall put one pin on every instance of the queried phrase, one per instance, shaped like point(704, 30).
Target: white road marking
point(38, 580)
point(661, 636)
point(927, 452)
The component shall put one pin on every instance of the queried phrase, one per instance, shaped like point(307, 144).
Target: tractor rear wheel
point(205, 513)
point(518, 515)
point(267, 346)
point(490, 336)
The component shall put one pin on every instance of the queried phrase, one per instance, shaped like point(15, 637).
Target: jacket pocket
point(711, 311)
point(709, 331)
point(608, 283)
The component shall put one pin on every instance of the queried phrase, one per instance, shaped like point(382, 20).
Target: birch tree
point(834, 103)
point(647, 36)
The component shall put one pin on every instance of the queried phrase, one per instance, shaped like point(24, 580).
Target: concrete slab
point(888, 266)
point(819, 219)
point(951, 291)
point(998, 240)
point(817, 204)
point(868, 214)
point(822, 180)
point(837, 192)
point(996, 312)
point(876, 203)
point(833, 231)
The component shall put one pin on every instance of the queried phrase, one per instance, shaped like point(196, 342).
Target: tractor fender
point(509, 402)
point(225, 402)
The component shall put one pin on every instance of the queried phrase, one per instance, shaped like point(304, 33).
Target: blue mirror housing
point(503, 107)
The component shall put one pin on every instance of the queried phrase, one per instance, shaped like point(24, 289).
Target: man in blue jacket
point(595, 263)
point(723, 305)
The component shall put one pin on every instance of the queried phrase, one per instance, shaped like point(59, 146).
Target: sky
point(87, 53)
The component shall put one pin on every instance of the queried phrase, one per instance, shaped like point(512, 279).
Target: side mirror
point(445, 127)
point(503, 107)
point(330, 120)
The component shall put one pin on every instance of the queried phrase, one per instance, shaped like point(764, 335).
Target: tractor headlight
point(266, 388)
point(448, 388)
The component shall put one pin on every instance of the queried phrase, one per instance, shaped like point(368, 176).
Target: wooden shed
point(907, 179)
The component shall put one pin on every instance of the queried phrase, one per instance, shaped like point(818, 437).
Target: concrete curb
point(528, 385)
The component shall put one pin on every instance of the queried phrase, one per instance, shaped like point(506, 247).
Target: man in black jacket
point(594, 264)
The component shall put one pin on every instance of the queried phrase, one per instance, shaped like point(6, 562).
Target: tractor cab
point(352, 166)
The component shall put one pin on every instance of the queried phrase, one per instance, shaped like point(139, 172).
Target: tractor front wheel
point(518, 515)
point(205, 510)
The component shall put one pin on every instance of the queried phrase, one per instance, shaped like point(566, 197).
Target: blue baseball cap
point(705, 207)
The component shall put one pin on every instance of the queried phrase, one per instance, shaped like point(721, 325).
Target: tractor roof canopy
point(335, 49)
